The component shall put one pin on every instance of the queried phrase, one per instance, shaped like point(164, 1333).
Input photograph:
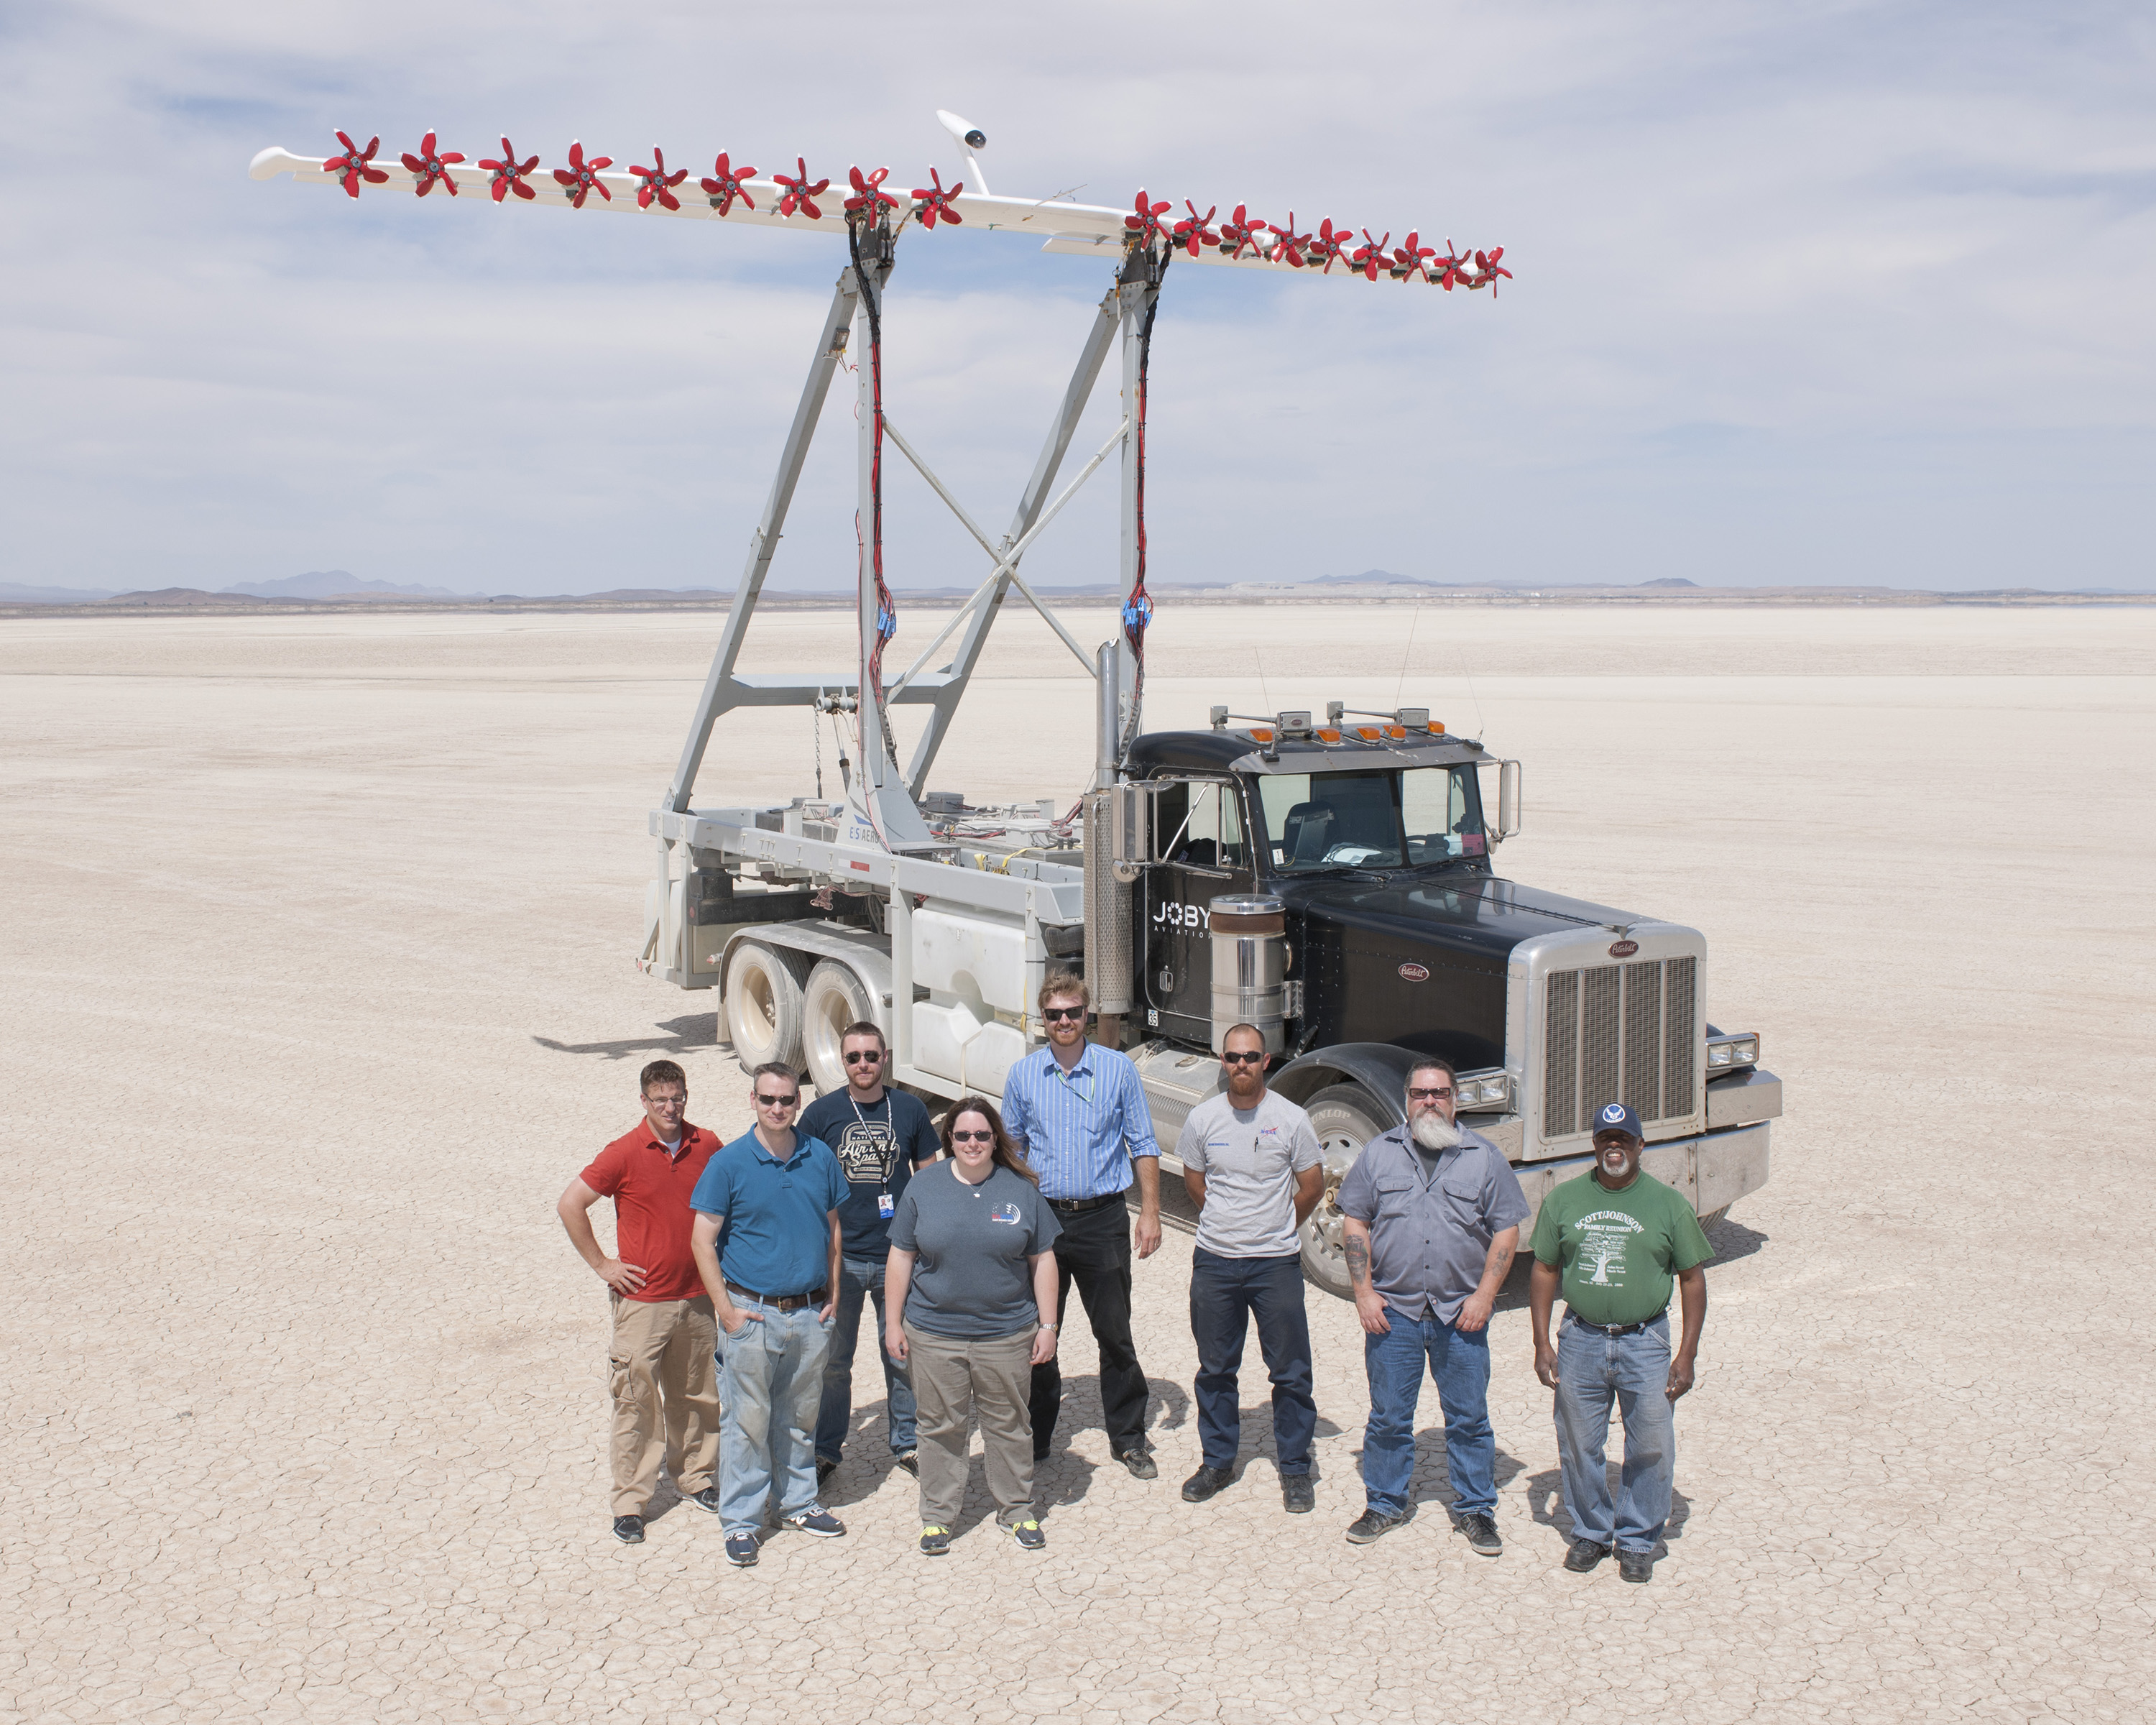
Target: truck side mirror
point(1508, 799)
point(1130, 831)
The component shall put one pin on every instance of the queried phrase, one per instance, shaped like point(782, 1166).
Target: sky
point(1819, 293)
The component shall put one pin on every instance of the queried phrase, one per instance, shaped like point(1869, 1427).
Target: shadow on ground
point(681, 1036)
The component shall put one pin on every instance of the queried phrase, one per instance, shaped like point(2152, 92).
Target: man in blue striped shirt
point(1080, 1116)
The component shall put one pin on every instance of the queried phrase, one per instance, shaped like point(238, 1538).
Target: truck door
point(1204, 853)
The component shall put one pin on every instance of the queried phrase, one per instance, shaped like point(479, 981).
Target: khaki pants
point(665, 1387)
point(991, 1381)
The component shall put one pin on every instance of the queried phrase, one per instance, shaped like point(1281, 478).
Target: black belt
point(1618, 1329)
point(1072, 1206)
point(780, 1302)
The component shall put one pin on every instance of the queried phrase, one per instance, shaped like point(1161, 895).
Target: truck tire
point(763, 1006)
point(834, 999)
point(1711, 1217)
point(1345, 1119)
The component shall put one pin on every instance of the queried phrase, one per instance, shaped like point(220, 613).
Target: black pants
point(1093, 1255)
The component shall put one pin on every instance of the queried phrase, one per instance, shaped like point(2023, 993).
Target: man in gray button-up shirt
point(1433, 1218)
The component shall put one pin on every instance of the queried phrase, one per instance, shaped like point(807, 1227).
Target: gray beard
point(1434, 1132)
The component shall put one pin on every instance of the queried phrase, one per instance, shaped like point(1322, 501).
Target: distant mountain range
point(335, 583)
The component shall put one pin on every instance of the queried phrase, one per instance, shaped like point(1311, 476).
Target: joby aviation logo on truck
point(1415, 973)
point(1623, 949)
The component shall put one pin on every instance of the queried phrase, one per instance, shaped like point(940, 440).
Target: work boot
point(1298, 1496)
point(1206, 1483)
point(1636, 1566)
point(1584, 1555)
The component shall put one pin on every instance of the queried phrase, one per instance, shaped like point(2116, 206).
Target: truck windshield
point(1383, 818)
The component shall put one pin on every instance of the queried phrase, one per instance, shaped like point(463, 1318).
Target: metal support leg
point(718, 697)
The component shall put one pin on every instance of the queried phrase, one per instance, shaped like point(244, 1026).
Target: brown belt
point(780, 1302)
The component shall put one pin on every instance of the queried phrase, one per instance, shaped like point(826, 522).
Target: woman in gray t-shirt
point(970, 1298)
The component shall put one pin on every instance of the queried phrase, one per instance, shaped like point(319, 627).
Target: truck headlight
point(1732, 1053)
point(1483, 1092)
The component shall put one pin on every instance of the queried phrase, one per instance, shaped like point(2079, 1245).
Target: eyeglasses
point(1244, 1057)
point(1057, 1014)
point(1430, 1096)
point(666, 1101)
point(765, 1101)
point(972, 1137)
point(871, 1057)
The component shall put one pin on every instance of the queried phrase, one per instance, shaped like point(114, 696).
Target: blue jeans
point(859, 1278)
point(1460, 1365)
point(774, 1375)
point(1593, 1370)
point(1226, 1294)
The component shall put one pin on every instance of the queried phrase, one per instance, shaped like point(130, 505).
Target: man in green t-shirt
point(1614, 1239)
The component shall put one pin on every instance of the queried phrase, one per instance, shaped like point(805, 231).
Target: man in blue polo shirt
point(1078, 1116)
point(765, 1240)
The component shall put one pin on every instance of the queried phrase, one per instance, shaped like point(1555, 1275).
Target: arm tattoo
point(1504, 1261)
point(1359, 1261)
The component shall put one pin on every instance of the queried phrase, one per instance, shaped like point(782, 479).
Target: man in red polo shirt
point(665, 1379)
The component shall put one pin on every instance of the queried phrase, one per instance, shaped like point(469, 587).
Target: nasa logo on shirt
point(1005, 1213)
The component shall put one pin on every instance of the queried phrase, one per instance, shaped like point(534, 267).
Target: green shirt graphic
point(1618, 1252)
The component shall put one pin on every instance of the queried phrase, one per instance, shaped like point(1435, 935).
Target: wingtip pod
point(275, 160)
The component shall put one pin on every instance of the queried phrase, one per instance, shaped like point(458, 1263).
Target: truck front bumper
point(1713, 1170)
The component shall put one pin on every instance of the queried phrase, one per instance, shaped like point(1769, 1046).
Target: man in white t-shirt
point(1252, 1166)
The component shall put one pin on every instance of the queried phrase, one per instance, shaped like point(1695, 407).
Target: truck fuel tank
point(1250, 966)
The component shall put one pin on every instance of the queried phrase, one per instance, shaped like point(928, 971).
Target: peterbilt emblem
point(1623, 949)
point(1415, 973)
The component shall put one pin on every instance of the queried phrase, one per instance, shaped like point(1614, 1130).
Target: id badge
point(885, 1207)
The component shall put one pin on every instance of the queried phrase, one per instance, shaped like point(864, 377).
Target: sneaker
point(1636, 1566)
point(1298, 1496)
point(825, 1467)
point(1482, 1534)
point(1371, 1526)
point(1141, 1464)
point(910, 1460)
point(741, 1550)
point(708, 1498)
point(1584, 1555)
point(819, 1521)
point(935, 1541)
point(1028, 1534)
point(628, 1529)
point(1206, 1482)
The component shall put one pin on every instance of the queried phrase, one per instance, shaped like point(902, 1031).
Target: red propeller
point(355, 165)
point(800, 195)
point(1452, 268)
point(509, 172)
point(869, 197)
point(1330, 244)
point(1488, 270)
point(933, 202)
point(1241, 230)
point(725, 183)
point(1196, 230)
point(658, 182)
point(1370, 257)
point(1146, 224)
point(1288, 245)
point(432, 167)
point(1408, 260)
point(583, 176)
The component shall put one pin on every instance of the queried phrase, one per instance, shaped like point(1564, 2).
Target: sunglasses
point(868, 1056)
point(1430, 1096)
point(972, 1137)
point(1057, 1014)
point(1244, 1057)
point(765, 1101)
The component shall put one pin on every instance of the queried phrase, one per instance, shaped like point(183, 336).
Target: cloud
point(1846, 291)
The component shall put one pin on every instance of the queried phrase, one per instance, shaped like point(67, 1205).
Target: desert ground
point(317, 945)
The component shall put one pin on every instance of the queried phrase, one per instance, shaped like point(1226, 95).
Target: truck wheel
point(1711, 1217)
point(1345, 1119)
point(833, 999)
point(763, 1008)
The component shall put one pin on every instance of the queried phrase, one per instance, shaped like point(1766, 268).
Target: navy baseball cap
point(1617, 1118)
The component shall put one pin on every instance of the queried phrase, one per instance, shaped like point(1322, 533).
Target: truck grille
point(1621, 1032)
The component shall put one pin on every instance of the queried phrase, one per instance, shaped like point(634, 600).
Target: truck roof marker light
point(1396, 732)
point(1437, 727)
point(1260, 734)
point(1369, 733)
point(1327, 734)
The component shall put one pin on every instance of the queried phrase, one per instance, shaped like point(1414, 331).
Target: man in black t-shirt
point(880, 1136)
